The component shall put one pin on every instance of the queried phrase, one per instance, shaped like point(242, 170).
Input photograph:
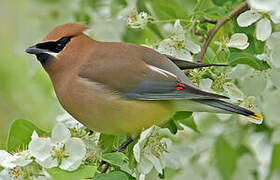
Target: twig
point(104, 170)
point(206, 20)
point(218, 25)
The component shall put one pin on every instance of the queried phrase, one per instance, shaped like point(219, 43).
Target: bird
point(121, 88)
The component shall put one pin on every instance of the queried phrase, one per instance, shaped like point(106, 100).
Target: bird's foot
point(124, 145)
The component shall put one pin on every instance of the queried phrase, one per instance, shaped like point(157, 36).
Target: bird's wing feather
point(163, 85)
point(183, 64)
point(144, 79)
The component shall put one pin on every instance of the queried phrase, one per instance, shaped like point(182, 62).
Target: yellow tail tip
point(257, 117)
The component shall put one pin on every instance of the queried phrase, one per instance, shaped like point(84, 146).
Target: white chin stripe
point(162, 71)
point(52, 54)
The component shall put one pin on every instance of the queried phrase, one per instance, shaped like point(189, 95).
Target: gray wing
point(183, 64)
point(163, 85)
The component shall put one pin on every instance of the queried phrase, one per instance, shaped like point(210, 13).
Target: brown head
point(61, 45)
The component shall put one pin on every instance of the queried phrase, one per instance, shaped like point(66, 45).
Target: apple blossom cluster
point(70, 146)
point(178, 45)
point(67, 148)
point(137, 20)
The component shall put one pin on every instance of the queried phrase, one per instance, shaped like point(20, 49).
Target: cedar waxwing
point(121, 88)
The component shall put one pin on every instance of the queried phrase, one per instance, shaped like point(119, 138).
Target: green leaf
point(83, 172)
point(185, 118)
point(182, 115)
point(226, 157)
point(219, 11)
point(220, 2)
point(170, 9)
point(248, 59)
point(20, 134)
point(130, 154)
point(116, 158)
point(82, 16)
point(189, 122)
point(275, 163)
point(171, 125)
point(116, 6)
point(110, 143)
point(115, 175)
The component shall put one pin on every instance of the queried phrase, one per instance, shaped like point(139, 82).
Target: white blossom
point(263, 28)
point(270, 6)
point(12, 163)
point(154, 151)
point(260, 146)
point(233, 92)
point(239, 41)
point(273, 44)
point(137, 20)
point(178, 45)
point(69, 121)
point(59, 150)
point(247, 18)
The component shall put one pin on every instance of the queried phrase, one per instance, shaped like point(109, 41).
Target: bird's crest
point(69, 29)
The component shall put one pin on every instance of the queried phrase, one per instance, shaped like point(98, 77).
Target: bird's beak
point(35, 50)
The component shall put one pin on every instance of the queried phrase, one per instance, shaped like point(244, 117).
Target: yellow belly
point(99, 110)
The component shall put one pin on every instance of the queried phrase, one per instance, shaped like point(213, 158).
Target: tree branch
point(211, 21)
point(218, 25)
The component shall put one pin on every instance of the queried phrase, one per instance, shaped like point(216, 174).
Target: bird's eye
point(59, 47)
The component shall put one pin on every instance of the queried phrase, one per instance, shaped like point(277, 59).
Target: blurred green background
point(239, 149)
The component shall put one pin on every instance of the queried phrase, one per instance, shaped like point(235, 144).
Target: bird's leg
point(124, 145)
point(120, 149)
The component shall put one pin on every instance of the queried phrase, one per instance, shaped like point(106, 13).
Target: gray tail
point(232, 108)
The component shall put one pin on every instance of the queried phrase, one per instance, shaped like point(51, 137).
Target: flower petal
point(137, 151)
point(205, 84)
point(40, 148)
point(22, 158)
point(145, 166)
point(239, 41)
point(183, 54)
point(70, 164)
point(275, 18)
point(166, 47)
point(263, 29)
point(264, 6)
point(247, 18)
point(157, 163)
point(233, 92)
point(273, 41)
point(6, 159)
point(179, 31)
point(275, 74)
point(60, 133)
point(192, 47)
point(48, 162)
point(146, 133)
point(274, 59)
point(76, 148)
point(77, 151)
point(68, 121)
point(5, 174)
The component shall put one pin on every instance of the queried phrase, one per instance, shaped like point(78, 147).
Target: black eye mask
point(54, 46)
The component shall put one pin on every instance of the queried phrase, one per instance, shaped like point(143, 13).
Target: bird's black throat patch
point(43, 57)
